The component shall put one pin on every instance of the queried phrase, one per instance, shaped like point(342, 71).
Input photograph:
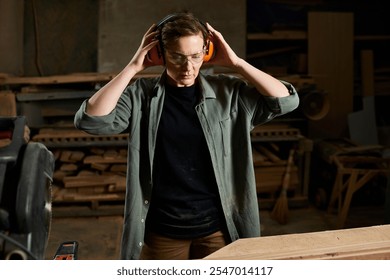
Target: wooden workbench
point(353, 172)
point(357, 165)
point(359, 243)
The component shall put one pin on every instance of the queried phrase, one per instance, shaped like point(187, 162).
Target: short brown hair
point(180, 25)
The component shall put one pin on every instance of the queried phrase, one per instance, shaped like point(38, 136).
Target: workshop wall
point(122, 23)
point(60, 37)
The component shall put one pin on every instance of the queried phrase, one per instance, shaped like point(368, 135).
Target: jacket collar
point(205, 88)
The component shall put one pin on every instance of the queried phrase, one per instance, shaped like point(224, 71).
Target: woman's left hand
point(224, 54)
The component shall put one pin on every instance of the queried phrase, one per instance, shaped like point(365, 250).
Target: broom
point(280, 212)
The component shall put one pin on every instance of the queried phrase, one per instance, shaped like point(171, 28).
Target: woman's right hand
point(140, 60)
point(106, 98)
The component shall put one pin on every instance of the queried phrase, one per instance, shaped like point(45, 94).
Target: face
point(183, 60)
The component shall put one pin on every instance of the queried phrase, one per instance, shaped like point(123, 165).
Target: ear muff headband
point(157, 53)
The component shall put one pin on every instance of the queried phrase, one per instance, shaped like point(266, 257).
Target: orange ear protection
point(156, 54)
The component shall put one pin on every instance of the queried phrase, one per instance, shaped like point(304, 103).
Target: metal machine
point(26, 170)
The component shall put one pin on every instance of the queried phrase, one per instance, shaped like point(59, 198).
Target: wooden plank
point(91, 181)
point(5, 142)
point(91, 190)
point(100, 166)
point(279, 35)
point(118, 168)
point(100, 159)
point(330, 63)
point(63, 79)
point(272, 52)
point(117, 187)
point(358, 243)
point(71, 156)
point(66, 196)
point(68, 167)
point(50, 133)
point(85, 211)
point(110, 154)
point(8, 104)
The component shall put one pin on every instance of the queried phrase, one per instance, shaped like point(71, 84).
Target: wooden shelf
point(64, 79)
point(371, 37)
point(278, 35)
point(302, 35)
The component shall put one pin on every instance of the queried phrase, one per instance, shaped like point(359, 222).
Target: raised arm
point(225, 56)
point(105, 100)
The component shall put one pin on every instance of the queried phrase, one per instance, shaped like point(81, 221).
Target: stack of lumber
point(89, 169)
point(98, 174)
point(92, 168)
point(93, 175)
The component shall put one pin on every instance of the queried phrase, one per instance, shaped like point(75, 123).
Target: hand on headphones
point(224, 54)
point(141, 59)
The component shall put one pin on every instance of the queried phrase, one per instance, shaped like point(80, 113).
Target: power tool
point(26, 170)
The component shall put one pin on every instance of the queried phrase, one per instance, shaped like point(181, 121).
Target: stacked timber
point(92, 168)
point(92, 174)
point(88, 169)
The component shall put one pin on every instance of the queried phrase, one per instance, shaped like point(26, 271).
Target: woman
point(190, 179)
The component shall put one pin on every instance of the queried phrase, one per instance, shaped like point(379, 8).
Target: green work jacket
point(228, 110)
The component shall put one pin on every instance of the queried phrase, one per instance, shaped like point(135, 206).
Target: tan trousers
point(158, 247)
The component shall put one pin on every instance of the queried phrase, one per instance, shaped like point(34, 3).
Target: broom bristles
point(280, 213)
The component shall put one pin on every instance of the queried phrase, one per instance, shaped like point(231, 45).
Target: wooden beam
point(8, 104)
point(64, 79)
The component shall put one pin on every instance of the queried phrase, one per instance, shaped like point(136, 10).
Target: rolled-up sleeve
point(284, 105)
point(106, 124)
point(269, 107)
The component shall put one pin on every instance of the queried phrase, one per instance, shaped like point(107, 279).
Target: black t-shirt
point(185, 201)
